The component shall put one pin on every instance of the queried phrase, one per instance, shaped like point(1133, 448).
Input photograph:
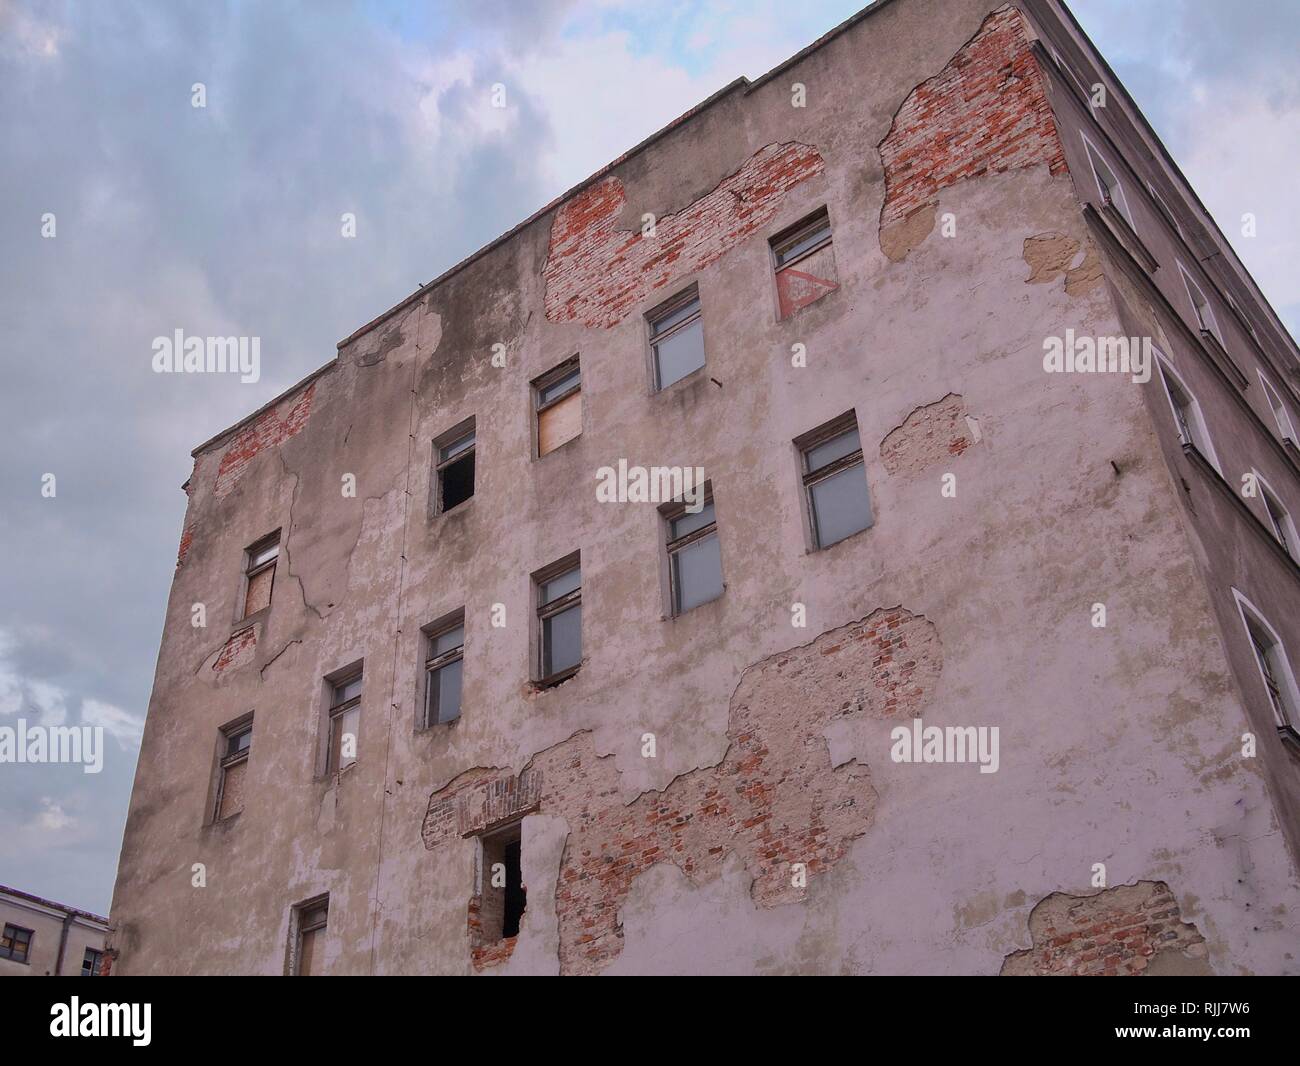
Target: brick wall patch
point(931, 434)
point(986, 112)
point(271, 429)
point(774, 799)
point(597, 273)
point(238, 650)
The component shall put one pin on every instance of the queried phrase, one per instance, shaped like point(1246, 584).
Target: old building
point(579, 615)
point(42, 938)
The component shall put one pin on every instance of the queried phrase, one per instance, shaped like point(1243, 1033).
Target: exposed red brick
point(774, 799)
point(986, 112)
point(597, 273)
point(270, 430)
point(238, 649)
point(187, 538)
point(927, 436)
point(1116, 932)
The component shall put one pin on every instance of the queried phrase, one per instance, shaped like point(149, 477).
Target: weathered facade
point(1063, 556)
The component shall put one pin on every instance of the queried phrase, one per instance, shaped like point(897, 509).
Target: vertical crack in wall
point(774, 799)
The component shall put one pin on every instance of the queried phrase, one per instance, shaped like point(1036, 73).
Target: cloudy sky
point(225, 220)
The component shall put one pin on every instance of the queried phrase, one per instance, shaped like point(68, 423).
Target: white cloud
point(52, 818)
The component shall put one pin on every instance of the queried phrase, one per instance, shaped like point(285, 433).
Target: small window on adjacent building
point(444, 659)
point(694, 556)
point(1187, 413)
point(236, 743)
point(835, 481)
point(311, 920)
point(558, 398)
point(344, 723)
point(454, 467)
point(503, 897)
point(1274, 666)
point(259, 573)
point(1112, 192)
point(1201, 305)
point(90, 963)
point(15, 943)
point(804, 260)
point(559, 613)
point(677, 337)
point(1281, 415)
point(1279, 519)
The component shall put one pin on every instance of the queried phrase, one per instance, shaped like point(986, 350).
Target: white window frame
point(1199, 424)
point(1289, 537)
point(1281, 414)
point(1095, 156)
point(1286, 682)
point(1190, 284)
point(1164, 208)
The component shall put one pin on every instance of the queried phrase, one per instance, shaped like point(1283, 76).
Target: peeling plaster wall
point(1118, 745)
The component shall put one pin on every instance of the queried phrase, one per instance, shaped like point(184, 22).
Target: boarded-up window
point(559, 406)
point(236, 743)
point(312, 921)
point(804, 260)
point(260, 574)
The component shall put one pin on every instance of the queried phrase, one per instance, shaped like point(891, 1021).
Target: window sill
point(556, 679)
point(681, 381)
point(250, 620)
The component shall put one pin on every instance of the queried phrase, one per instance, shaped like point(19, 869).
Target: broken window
point(694, 556)
point(559, 406)
point(454, 467)
point(835, 481)
point(311, 920)
point(236, 743)
point(804, 261)
point(1112, 192)
point(15, 943)
point(559, 612)
point(344, 721)
point(259, 573)
point(1201, 305)
point(1281, 415)
point(677, 337)
point(503, 896)
point(442, 670)
point(1187, 413)
point(90, 963)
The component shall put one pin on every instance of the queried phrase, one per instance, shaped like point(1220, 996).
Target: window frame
point(227, 759)
point(253, 569)
point(792, 234)
point(1280, 522)
point(13, 937)
point(301, 912)
point(810, 441)
point(1287, 716)
point(454, 436)
point(1194, 289)
point(666, 309)
point(553, 377)
point(673, 546)
point(1280, 410)
point(435, 661)
point(95, 962)
point(1168, 374)
point(1162, 206)
point(550, 609)
point(335, 712)
point(1095, 157)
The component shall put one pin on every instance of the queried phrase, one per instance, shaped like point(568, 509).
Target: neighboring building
point(455, 711)
point(42, 938)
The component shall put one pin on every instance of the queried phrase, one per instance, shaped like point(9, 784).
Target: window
point(311, 920)
point(835, 481)
point(236, 742)
point(503, 896)
point(558, 398)
point(1187, 413)
point(694, 556)
point(1204, 312)
point(1281, 415)
point(559, 612)
point(1112, 192)
point(1164, 208)
point(677, 338)
point(344, 721)
point(90, 964)
point(454, 467)
point(16, 943)
point(442, 670)
point(259, 573)
point(1279, 519)
point(1274, 667)
point(804, 261)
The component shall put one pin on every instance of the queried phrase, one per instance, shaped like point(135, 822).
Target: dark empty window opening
point(504, 895)
point(455, 470)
